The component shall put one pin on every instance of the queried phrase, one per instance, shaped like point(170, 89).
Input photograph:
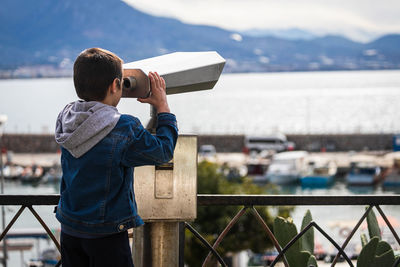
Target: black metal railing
point(28, 201)
point(248, 202)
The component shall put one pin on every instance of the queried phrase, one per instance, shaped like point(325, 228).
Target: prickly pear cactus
point(284, 231)
point(307, 240)
point(312, 261)
point(376, 253)
point(364, 239)
point(373, 226)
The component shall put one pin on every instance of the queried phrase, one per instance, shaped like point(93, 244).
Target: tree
point(211, 220)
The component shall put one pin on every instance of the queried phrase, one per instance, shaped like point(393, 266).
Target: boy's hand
point(158, 96)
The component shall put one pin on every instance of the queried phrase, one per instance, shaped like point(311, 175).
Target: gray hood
point(81, 125)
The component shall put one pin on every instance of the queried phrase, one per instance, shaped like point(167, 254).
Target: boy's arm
point(146, 149)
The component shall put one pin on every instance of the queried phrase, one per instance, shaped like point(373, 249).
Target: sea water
point(252, 103)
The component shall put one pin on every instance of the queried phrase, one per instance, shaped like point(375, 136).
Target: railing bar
point(225, 232)
point(10, 224)
point(237, 200)
point(270, 234)
point(191, 229)
point(29, 200)
point(388, 224)
point(293, 200)
point(351, 234)
point(37, 216)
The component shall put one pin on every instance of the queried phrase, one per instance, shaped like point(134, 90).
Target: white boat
point(12, 172)
point(286, 167)
point(319, 173)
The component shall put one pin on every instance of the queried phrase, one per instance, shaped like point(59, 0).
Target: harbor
point(253, 165)
point(256, 166)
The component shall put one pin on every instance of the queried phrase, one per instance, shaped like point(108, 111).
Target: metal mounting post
point(152, 124)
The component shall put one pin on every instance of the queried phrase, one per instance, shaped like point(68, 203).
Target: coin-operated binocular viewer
point(167, 194)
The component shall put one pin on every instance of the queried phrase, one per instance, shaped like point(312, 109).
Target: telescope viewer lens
point(135, 84)
point(129, 83)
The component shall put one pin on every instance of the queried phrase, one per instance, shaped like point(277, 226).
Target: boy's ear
point(116, 85)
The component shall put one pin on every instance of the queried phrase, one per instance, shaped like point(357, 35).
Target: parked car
point(207, 151)
point(257, 144)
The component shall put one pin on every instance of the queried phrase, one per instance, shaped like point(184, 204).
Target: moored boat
point(12, 172)
point(319, 173)
point(32, 174)
point(363, 173)
point(286, 167)
point(256, 168)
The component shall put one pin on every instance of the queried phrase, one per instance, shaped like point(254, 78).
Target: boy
point(100, 148)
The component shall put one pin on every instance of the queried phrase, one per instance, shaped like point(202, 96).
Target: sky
point(360, 20)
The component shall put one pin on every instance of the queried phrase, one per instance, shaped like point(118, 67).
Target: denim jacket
point(97, 195)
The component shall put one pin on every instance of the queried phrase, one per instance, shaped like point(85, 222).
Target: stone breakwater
point(45, 143)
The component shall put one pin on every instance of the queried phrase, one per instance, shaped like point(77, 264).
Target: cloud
point(357, 19)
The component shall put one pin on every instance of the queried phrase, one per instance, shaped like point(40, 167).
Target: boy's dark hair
point(94, 71)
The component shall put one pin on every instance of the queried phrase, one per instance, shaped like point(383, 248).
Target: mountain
point(388, 46)
point(288, 34)
point(52, 33)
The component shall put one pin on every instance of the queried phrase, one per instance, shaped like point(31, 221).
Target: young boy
point(100, 148)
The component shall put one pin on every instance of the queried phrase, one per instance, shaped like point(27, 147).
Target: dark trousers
point(109, 251)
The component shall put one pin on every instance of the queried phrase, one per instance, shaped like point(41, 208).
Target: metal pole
point(164, 238)
point(152, 124)
point(156, 245)
point(3, 219)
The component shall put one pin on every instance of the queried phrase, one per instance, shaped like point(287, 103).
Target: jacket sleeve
point(147, 149)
